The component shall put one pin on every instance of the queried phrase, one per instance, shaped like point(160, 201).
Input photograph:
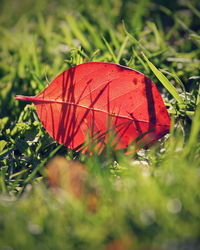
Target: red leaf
point(98, 97)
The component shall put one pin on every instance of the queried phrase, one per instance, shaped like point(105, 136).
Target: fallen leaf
point(95, 98)
point(72, 178)
point(67, 175)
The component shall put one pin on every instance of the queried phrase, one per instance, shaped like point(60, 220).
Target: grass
point(149, 200)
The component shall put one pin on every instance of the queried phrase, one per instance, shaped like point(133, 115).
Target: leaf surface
point(95, 98)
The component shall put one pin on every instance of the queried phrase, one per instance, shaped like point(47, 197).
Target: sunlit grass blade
point(134, 40)
point(171, 89)
point(193, 9)
point(178, 80)
point(194, 133)
point(40, 167)
point(92, 31)
point(77, 32)
point(198, 97)
point(140, 60)
point(123, 46)
point(110, 50)
point(158, 38)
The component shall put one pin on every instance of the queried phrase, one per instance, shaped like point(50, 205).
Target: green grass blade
point(110, 50)
point(193, 9)
point(77, 32)
point(198, 96)
point(140, 60)
point(134, 40)
point(91, 29)
point(194, 133)
point(171, 89)
point(122, 49)
point(178, 80)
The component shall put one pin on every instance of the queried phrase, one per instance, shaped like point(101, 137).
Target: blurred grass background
point(149, 200)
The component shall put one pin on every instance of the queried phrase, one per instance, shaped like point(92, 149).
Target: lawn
point(147, 199)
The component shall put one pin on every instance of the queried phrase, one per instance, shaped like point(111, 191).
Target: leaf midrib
point(35, 100)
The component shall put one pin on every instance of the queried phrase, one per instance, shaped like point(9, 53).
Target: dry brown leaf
point(73, 178)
